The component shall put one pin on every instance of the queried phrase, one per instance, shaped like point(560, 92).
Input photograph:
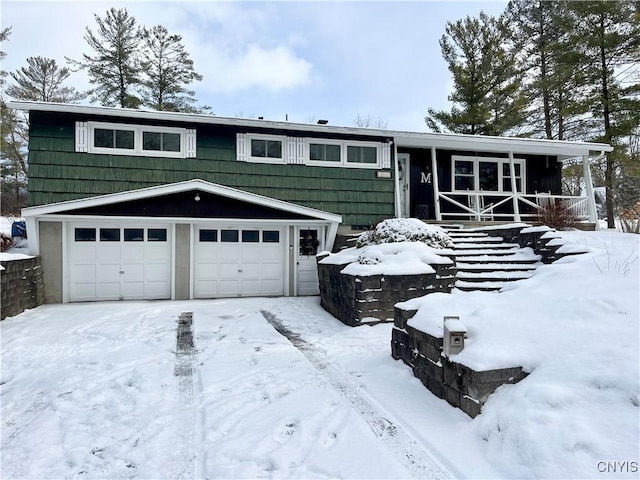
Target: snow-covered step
point(513, 257)
point(472, 252)
point(493, 246)
point(489, 240)
point(474, 286)
point(492, 267)
point(502, 276)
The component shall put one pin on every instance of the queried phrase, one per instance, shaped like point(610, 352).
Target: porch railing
point(484, 205)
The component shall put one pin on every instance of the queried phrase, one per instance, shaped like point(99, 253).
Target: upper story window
point(362, 154)
point(266, 149)
point(345, 153)
point(325, 152)
point(141, 140)
point(259, 148)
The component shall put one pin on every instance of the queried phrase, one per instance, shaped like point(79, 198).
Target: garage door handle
point(240, 270)
point(121, 272)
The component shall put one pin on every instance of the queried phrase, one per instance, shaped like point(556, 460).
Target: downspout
point(396, 181)
point(588, 184)
point(436, 189)
point(514, 187)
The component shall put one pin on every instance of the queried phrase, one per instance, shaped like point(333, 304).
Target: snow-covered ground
point(280, 389)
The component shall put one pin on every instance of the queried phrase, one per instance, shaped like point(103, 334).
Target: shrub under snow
point(396, 230)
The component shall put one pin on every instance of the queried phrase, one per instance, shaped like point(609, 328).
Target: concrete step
point(486, 239)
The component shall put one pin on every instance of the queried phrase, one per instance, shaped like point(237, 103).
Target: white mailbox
point(454, 331)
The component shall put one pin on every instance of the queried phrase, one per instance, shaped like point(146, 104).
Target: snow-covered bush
point(395, 230)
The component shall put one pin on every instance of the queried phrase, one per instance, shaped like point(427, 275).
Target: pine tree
point(607, 36)
point(13, 158)
point(42, 80)
point(167, 70)
point(486, 95)
point(551, 74)
point(114, 69)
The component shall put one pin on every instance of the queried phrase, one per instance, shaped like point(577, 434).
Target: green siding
point(57, 173)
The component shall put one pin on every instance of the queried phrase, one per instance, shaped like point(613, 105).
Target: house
point(133, 204)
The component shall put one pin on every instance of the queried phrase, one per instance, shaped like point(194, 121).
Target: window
point(208, 235)
point(134, 234)
point(323, 152)
point(280, 149)
point(271, 236)
point(229, 236)
point(343, 154)
point(361, 154)
point(157, 235)
point(266, 149)
point(109, 234)
point(160, 141)
point(85, 234)
point(486, 174)
point(464, 178)
point(123, 139)
point(250, 236)
point(506, 177)
point(113, 138)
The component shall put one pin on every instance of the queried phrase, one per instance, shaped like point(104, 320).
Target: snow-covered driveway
point(89, 391)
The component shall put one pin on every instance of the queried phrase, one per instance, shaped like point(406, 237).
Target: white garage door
point(110, 262)
point(244, 262)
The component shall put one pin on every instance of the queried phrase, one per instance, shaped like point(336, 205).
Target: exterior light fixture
point(197, 197)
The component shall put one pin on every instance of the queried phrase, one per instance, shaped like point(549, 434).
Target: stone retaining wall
point(357, 300)
point(21, 286)
point(540, 246)
point(458, 384)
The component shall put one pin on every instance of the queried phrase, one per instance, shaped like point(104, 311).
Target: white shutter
point(82, 136)
point(295, 150)
point(191, 143)
point(386, 155)
point(241, 147)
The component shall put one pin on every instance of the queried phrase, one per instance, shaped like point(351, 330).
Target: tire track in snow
point(187, 417)
point(413, 455)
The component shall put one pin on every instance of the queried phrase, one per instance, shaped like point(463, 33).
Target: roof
point(189, 185)
point(561, 148)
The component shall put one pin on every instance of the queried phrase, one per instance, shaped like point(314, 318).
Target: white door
point(238, 262)
point(403, 182)
point(112, 262)
point(309, 244)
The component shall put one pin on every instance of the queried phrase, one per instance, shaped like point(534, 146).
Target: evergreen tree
point(167, 70)
point(541, 30)
point(486, 95)
point(607, 36)
point(13, 159)
point(114, 69)
point(42, 80)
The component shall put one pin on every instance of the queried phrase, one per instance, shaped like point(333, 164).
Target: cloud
point(273, 69)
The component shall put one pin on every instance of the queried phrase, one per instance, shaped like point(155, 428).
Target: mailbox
point(454, 331)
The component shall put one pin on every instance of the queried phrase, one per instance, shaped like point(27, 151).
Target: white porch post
point(588, 184)
point(436, 190)
point(514, 187)
point(396, 181)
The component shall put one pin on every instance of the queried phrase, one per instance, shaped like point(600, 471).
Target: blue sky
point(298, 60)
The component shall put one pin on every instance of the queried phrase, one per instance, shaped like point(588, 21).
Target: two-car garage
point(108, 251)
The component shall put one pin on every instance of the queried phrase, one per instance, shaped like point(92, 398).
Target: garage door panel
point(229, 287)
point(271, 270)
point(108, 252)
point(107, 290)
point(83, 253)
point(84, 272)
point(108, 273)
